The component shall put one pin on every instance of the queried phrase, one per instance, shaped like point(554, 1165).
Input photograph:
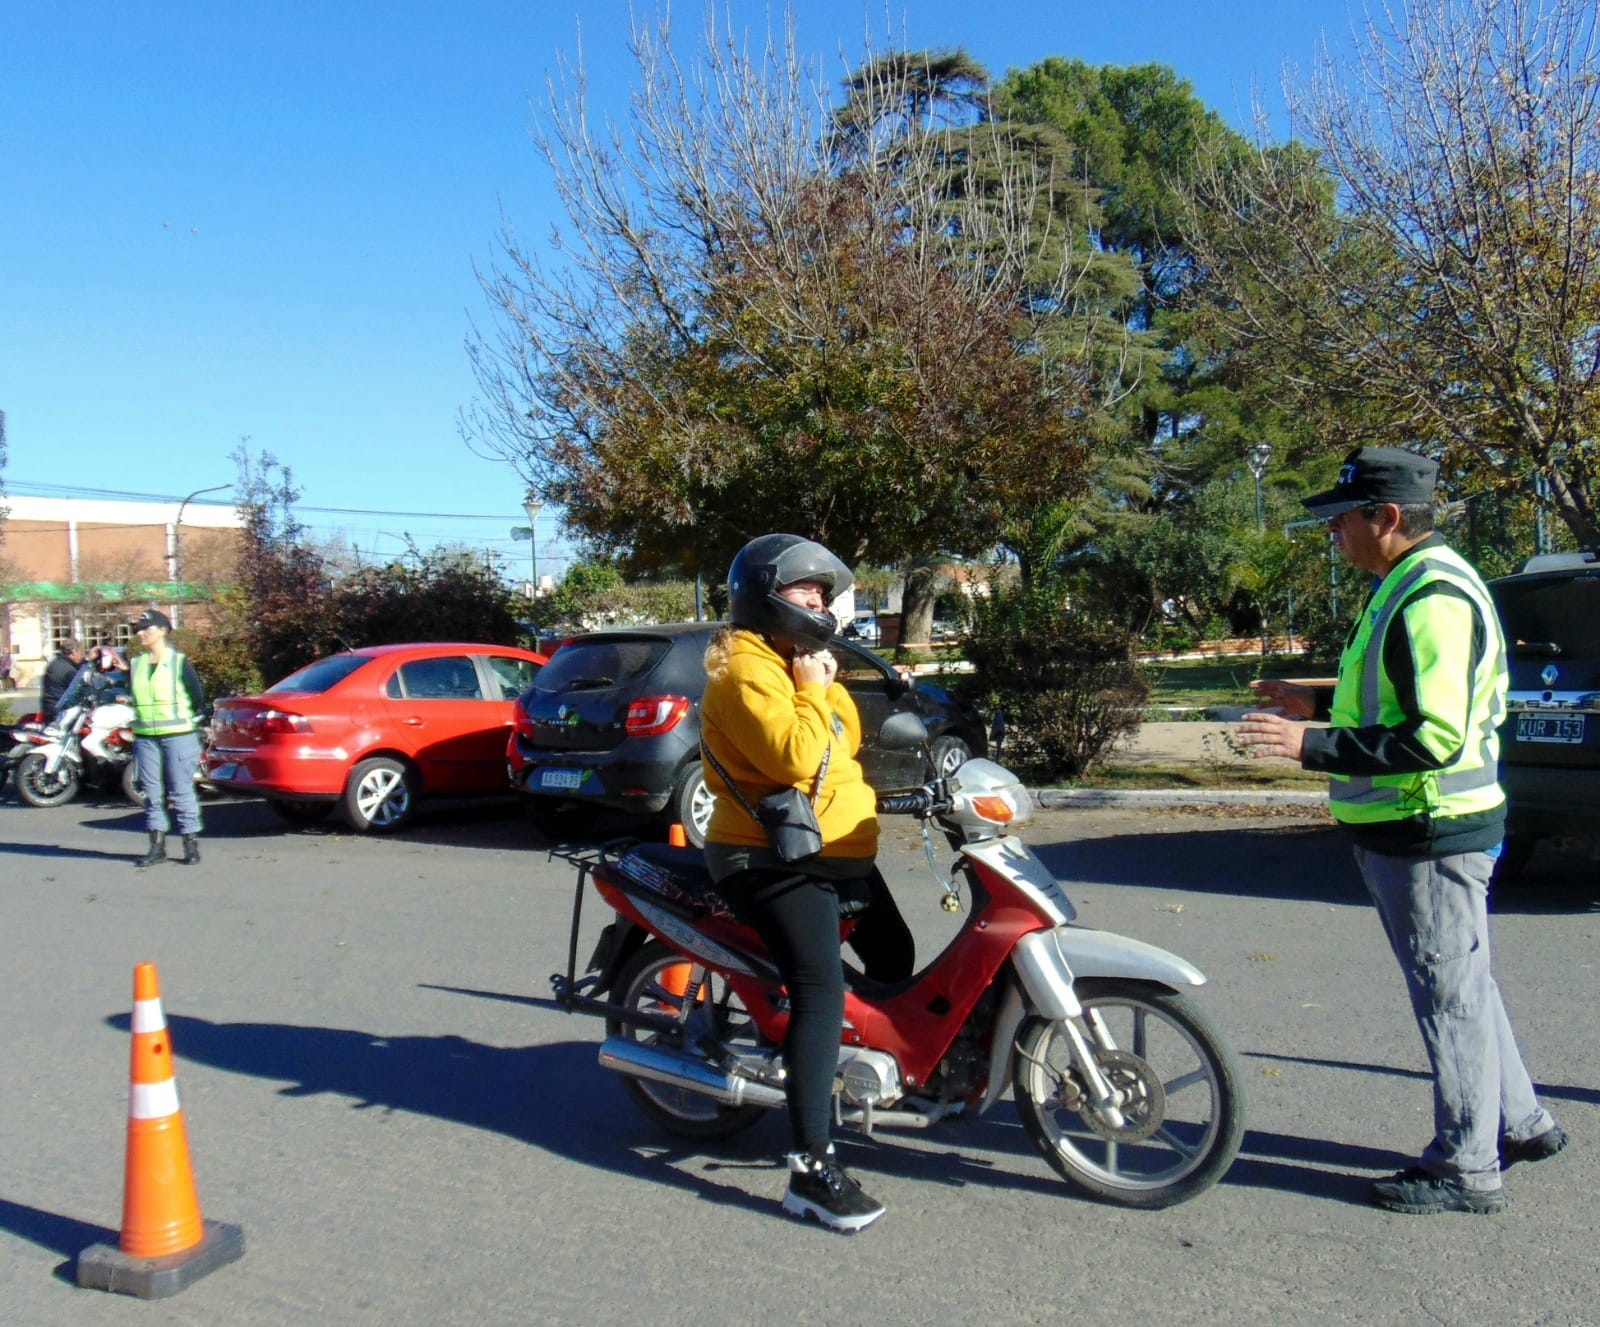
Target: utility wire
point(22, 488)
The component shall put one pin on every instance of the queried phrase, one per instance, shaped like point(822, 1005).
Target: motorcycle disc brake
point(1143, 1101)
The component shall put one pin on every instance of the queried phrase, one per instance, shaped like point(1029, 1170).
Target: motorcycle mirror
point(903, 731)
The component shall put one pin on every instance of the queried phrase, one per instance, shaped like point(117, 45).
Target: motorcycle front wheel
point(1179, 1097)
point(653, 980)
point(37, 786)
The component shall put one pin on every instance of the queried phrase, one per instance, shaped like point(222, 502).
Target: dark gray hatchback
point(613, 723)
point(1550, 741)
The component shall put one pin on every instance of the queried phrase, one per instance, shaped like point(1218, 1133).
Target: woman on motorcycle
point(774, 716)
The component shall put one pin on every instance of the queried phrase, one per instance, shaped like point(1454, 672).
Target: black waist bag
point(791, 823)
point(788, 815)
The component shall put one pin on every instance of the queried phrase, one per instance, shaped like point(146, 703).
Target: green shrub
point(1069, 688)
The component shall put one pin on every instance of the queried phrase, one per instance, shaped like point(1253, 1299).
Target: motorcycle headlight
point(986, 795)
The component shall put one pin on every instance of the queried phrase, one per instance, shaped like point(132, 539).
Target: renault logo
point(1549, 675)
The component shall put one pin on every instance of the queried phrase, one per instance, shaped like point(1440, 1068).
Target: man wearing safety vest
point(1412, 757)
point(167, 703)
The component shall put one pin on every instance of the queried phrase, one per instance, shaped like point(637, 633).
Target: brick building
point(81, 568)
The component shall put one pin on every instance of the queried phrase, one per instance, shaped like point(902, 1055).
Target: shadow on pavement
point(1555, 1091)
point(528, 1093)
point(59, 1234)
point(1293, 861)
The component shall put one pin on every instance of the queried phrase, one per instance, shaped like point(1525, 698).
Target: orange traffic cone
point(165, 1243)
point(676, 837)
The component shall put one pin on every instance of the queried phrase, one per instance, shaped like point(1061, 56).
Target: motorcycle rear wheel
point(719, 1012)
point(38, 787)
point(1183, 1102)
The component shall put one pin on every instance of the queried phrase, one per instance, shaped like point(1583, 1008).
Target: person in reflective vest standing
point(167, 702)
point(1412, 758)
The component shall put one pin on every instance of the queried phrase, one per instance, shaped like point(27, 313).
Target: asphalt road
point(379, 1091)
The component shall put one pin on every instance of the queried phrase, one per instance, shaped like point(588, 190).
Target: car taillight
point(522, 721)
point(650, 716)
point(276, 723)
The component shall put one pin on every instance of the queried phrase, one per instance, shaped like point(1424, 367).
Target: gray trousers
point(167, 767)
point(1435, 913)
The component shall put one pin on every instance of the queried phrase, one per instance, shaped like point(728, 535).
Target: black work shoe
point(1537, 1148)
point(822, 1191)
point(157, 851)
point(191, 849)
point(1418, 1193)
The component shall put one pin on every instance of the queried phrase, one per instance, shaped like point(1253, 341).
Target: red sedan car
point(373, 731)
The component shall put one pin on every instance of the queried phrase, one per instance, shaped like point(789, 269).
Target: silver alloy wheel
point(382, 795)
point(702, 801)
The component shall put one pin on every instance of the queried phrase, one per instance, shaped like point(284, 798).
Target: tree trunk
point(925, 582)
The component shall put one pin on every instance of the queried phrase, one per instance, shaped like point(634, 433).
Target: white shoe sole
point(810, 1211)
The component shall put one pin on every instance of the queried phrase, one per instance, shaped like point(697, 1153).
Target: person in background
point(58, 676)
point(1412, 759)
point(7, 682)
point(168, 702)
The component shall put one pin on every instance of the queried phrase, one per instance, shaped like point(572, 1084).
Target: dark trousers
point(797, 916)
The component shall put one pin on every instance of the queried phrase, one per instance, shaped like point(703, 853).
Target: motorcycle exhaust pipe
point(677, 1070)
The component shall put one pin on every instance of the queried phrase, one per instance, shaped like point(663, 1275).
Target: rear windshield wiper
point(589, 683)
point(1536, 649)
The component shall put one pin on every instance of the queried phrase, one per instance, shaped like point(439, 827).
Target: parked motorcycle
point(89, 743)
point(1123, 1085)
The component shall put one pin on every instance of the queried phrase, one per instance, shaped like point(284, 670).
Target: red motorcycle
point(1122, 1084)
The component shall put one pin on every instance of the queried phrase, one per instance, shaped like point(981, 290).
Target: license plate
point(568, 779)
point(222, 773)
point(1550, 728)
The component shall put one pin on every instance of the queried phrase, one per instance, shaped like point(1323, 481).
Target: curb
point(1144, 798)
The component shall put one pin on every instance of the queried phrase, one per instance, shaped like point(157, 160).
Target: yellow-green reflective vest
point(1468, 706)
point(161, 702)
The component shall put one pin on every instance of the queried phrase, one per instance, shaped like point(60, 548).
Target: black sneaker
point(1537, 1148)
point(1418, 1193)
point(822, 1191)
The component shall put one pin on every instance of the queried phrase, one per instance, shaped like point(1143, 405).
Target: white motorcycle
point(89, 743)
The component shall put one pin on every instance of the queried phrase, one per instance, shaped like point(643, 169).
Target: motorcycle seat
point(676, 876)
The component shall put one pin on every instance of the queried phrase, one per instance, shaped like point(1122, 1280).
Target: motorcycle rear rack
point(569, 988)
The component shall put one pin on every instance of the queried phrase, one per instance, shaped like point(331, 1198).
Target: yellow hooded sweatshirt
point(767, 732)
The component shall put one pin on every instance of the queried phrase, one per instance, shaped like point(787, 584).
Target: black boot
point(158, 850)
point(191, 849)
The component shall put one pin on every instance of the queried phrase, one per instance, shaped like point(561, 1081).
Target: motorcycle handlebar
point(920, 802)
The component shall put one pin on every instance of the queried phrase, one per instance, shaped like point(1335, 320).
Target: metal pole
point(1258, 458)
point(175, 563)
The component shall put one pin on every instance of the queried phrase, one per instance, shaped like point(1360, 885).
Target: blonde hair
point(718, 651)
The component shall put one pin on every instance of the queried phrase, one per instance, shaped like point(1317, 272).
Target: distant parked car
point(1550, 740)
point(373, 731)
point(864, 629)
point(613, 722)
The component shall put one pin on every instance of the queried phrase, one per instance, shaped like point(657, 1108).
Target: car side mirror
point(903, 731)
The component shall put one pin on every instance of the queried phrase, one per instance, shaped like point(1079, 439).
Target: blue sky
point(221, 221)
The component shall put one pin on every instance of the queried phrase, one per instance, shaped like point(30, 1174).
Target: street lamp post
point(1258, 458)
point(532, 506)
point(175, 561)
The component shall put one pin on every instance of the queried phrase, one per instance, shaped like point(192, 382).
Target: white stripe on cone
point(147, 1016)
point(152, 1101)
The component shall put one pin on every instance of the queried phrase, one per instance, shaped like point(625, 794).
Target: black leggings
point(798, 918)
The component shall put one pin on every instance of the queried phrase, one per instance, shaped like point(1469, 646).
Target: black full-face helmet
point(763, 567)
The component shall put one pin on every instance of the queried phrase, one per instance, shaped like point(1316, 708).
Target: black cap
point(151, 617)
point(1376, 474)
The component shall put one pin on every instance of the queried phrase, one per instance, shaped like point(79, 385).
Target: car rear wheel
point(692, 803)
point(380, 797)
point(949, 754)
